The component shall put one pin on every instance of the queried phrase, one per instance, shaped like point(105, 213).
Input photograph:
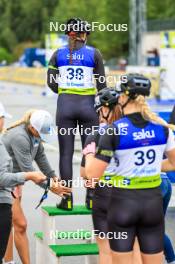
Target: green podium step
point(78, 210)
point(80, 234)
point(74, 250)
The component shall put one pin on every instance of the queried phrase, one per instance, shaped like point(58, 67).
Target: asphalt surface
point(18, 98)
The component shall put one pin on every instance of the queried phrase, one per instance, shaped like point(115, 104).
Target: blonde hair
point(24, 120)
point(149, 115)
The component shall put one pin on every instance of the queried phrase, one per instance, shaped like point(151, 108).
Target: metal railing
point(160, 24)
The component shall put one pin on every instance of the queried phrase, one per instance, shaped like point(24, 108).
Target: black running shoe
point(89, 198)
point(66, 203)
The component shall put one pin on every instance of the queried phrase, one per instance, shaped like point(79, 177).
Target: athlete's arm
point(99, 71)
point(172, 117)
point(169, 165)
point(96, 164)
point(94, 167)
point(53, 73)
point(90, 138)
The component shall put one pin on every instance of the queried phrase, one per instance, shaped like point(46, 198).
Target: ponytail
point(149, 115)
point(72, 45)
point(73, 38)
point(24, 120)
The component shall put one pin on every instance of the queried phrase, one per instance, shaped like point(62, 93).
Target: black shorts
point(5, 227)
point(136, 213)
point(100, 208)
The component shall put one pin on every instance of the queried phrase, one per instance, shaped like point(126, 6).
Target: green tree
point(28, 21)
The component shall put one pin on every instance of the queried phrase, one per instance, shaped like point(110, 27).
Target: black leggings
point(73, 110)
point(5, 227)
point(137, 213)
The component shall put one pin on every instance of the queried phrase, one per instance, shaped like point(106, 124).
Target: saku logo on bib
point(143, 134)
point(75, 56)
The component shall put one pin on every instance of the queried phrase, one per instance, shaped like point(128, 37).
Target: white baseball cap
point(42, 121)
point(3, 113)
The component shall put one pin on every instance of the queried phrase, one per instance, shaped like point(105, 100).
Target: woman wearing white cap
point(7, 181)
point(23, 141)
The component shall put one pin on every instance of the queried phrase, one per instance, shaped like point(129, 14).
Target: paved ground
point(17, 99)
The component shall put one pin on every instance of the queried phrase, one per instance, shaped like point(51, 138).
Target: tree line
point(25, 23)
